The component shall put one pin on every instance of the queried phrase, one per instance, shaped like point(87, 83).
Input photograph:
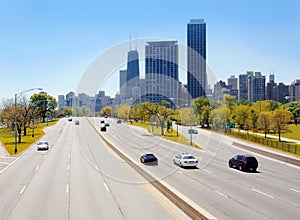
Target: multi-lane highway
point(78, 178)
point(271, 193)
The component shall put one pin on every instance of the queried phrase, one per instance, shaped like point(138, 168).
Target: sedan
point(185, 160)
point(243, 162)
point(42, 145)
point(149, 158)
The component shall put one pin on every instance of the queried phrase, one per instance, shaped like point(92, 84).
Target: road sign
point(193, 131)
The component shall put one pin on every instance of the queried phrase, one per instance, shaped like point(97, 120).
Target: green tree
point(187, 116)
point(252, 119)
point(241, 115)
point(43, 103)
point(158, 109)
point(230, 106)
point(23, 113)
point(123, 112)
point(205, 116)
point(264, 121)
point(219, 118)
point(280, 119)
point(106, 111)
point(68, 111)
point(294, 108)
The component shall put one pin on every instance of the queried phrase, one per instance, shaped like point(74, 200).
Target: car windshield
point(189, 157)
point(149, 156)
point(42, 142)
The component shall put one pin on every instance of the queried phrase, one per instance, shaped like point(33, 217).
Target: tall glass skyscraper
point(133, 72)
point(196, 58)
point(162, 71)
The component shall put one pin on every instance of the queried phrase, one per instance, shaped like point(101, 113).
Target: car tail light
point(245, 161)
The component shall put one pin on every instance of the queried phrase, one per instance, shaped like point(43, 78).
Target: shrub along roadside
point(8, 141)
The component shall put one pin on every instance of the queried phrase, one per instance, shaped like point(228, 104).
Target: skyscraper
point(295, 90)
point(233, 82)
point(256, 86)
point(162, 71)
point(133, 72)
point(196, 58)
point(122, 78)
point(243, 87)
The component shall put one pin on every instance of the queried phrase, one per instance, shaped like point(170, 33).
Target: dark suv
point(243, 162)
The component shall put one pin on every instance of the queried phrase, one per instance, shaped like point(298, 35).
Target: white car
point(185, 160)
point(42, 145)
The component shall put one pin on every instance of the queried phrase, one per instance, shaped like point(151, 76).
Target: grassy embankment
point(7, 139)
point(291, 147)
point(172, 135)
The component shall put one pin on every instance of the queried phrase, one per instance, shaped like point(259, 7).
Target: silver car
point(185, 160)
point(42, 145)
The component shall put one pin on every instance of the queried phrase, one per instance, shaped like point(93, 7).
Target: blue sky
point(50, 44)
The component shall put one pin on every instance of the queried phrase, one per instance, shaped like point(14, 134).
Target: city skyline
point(50, 45)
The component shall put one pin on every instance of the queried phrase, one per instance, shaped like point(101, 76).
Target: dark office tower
point(243, 87)
point(133, 72)
point(162, 71)
point(196, 58)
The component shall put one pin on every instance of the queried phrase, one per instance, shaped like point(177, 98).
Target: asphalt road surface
point(273, 192)
point(79, 177)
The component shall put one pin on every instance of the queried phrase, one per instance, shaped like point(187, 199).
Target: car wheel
point(240, 167)
point(141, 160)
point(230, 164)
point(254, 170)
point(174, 162)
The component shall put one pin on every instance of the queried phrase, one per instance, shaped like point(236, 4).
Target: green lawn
point(294, 132)
point(172, 135)
point(7, 139)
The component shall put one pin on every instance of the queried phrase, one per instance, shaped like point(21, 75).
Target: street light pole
point(16, 134)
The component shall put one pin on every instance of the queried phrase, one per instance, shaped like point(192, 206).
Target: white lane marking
point(4, 163)
point(23, 189)
point(1, 171)
point(67, 189)
point(208, 171)
point(265, 194)
point(68, 166)
point(37, 168)
point(69, 156)
point(106, 187)
point(96, 168)
point(220, 193)
point(298, 191)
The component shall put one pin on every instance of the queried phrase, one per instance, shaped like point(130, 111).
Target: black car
point(149, 158)
point(243, 162)
point(103, 128)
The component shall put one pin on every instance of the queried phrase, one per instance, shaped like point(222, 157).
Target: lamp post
point(32, 120)
point(15, 114)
